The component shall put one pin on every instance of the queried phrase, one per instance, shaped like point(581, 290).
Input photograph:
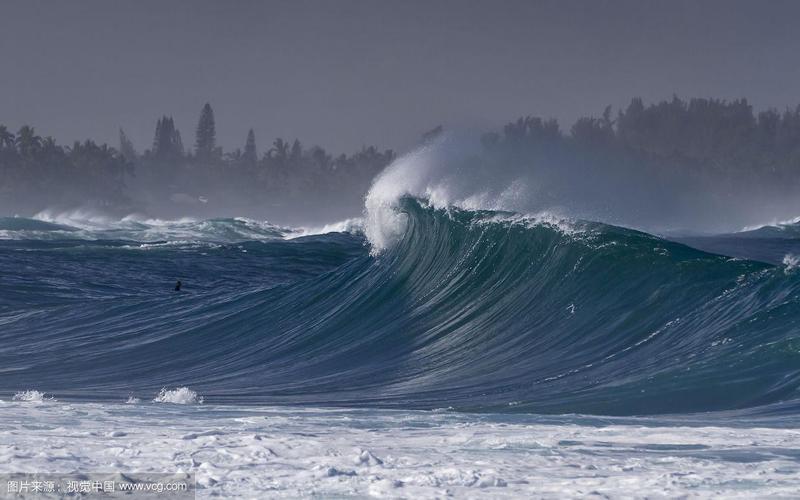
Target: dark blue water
point(469, 310)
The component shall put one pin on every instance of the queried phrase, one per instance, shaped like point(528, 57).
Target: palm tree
point(321, 158)
point(279, 151)
point(297, 152)
point(49, 143)
point(6, 138)
point(27, 141)
point(234, 156)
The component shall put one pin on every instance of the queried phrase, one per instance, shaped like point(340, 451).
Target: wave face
point(470, 310)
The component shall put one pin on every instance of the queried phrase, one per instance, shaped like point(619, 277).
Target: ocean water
point(422, 353)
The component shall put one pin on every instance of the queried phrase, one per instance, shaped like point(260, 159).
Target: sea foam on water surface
point(791, 261)
point(269, 452)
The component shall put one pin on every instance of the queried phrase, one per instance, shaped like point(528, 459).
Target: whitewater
point(445, 344)
point(286, 452)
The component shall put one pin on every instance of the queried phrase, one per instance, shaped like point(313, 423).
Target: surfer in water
point(178, 286)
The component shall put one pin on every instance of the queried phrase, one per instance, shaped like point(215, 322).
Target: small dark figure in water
point(178, 286)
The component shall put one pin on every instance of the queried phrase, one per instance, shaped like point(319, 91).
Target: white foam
point(89, 225)
point(353, 225)
point(791, 262)
point(252, 452)
point(772, 223)
point(78, 218)
point(181, 396)
point(422, 174)
point(449, 172)
point(32, 396)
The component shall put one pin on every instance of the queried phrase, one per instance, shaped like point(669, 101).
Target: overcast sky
point(344, 73)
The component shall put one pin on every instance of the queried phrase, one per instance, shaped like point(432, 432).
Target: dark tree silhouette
point(167, 142)
point(279, 151)
point(206, 134)
point(28, 143)
point(296, 153)
point(6, 138)
point(250, 155)
point(126, 147)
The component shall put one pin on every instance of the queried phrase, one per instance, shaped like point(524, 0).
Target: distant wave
point(84, 226)
point(789, 229)
point(777, 224)
point(21, 224)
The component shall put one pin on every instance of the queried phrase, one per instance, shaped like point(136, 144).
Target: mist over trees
point(710, 134)
point(698, 141)
point(288, 181)
point(699, 165)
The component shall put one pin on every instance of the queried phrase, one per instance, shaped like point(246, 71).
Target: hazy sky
point(344, 73)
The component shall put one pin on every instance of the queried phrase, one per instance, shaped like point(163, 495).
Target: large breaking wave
point(452, 308)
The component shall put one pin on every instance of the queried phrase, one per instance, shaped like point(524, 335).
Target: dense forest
point(700, 139)
point(170, 179)
point(709, 134)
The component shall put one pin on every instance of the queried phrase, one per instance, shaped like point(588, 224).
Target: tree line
point(36, 172)
point(699, 137)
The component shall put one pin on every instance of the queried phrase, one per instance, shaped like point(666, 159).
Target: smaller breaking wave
point(353, 225)
point(32, 396)
point(133, 228)
point(179, 396)
point(11, 224)
point(789, 229)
